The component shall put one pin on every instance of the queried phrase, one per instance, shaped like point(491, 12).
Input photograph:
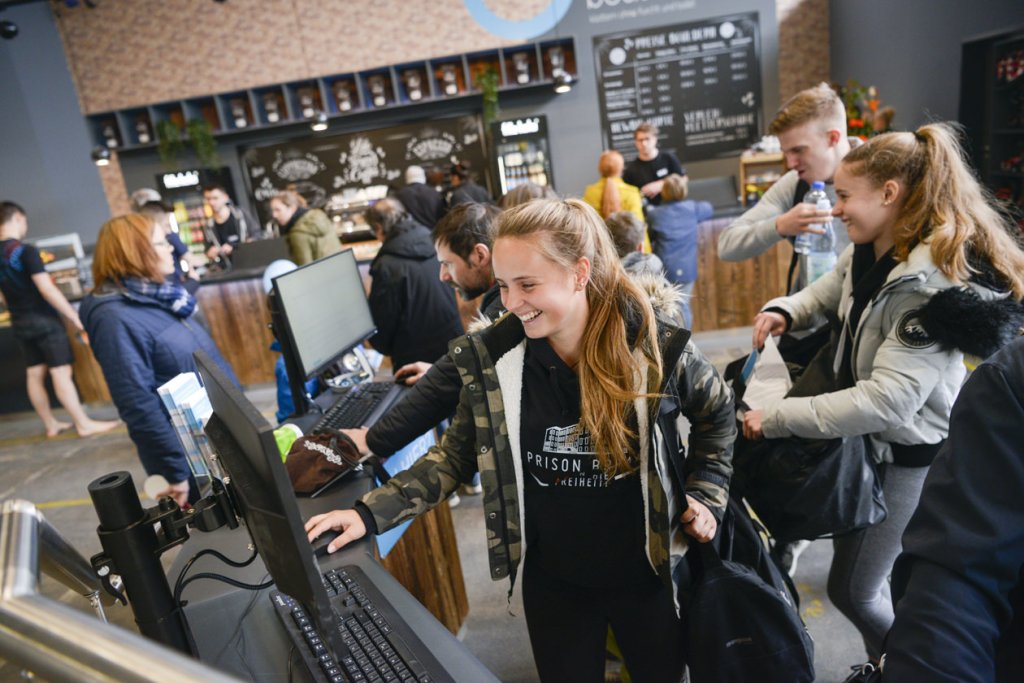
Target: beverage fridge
point(183, 190)
point(521, 153)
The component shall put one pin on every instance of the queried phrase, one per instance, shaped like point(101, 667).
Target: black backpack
point(742, 614)
point(741, 609)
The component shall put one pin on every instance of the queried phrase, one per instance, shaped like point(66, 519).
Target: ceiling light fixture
point(319, 122)
point(100, 155)
point(563, 82)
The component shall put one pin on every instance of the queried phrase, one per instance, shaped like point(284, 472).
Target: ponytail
point(610, 199)
point(944, 203)
point(610, 166)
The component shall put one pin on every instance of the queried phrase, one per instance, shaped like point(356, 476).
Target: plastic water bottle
point(819, 255)
point(817, 198)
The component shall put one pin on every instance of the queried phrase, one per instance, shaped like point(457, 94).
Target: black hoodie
point(415, 313)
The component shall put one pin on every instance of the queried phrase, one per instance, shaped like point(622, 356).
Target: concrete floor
point(54, 475)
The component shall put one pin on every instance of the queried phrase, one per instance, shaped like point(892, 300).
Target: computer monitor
point(245, 443)
point(324, 311)
point(259, 253)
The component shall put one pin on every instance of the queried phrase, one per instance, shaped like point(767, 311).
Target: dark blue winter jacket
point(140, 346)
point(673, 231)
point(958, 587)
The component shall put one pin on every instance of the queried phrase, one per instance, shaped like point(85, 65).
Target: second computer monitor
point(325, 310)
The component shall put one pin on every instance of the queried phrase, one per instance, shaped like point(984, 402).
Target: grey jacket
point(906, 381)
point(754, 233)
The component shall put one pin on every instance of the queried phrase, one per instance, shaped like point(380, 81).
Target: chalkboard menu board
point(356, 168)
point(699, 82)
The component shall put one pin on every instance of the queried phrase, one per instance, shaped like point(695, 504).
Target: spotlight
point(100, 155)
point(563, 82)
point(8, 29)
point(319, 122)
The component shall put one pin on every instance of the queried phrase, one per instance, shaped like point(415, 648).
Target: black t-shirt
point(581, 527)
point(227, 232)
point(18, 263)
point(639, 173)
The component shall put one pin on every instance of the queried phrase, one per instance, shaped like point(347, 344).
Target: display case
point(520, 152)
point(992, 112)
point(64, 260)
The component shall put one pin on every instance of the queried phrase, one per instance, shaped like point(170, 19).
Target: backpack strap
point(802, 188)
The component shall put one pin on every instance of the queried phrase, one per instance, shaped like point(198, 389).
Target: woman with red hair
point(139, 320)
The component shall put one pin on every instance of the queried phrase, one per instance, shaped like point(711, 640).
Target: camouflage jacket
point(484, 437)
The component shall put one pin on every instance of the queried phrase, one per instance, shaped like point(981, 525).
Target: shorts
point(43, 340)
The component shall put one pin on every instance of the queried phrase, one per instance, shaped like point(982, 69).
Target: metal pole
point(59, 643)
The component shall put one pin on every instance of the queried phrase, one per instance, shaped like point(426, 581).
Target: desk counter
point(237, 631)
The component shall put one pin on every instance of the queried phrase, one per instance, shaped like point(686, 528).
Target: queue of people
point(557, 400)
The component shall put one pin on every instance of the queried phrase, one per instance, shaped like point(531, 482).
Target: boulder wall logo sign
point(911, 333)
point(524, 29)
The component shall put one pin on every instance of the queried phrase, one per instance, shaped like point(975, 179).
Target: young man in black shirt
point(36, 306)
point(649, 170)
point(227, 227)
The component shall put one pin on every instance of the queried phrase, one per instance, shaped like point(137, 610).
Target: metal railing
point(58, 642)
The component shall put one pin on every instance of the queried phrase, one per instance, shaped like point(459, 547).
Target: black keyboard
point(354, 409)
point(376, 651)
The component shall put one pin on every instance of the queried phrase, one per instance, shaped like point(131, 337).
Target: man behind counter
point(227, 227)
point(651, 166)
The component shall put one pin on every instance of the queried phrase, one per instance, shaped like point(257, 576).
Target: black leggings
point(568, 627)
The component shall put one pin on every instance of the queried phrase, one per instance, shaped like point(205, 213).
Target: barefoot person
point(36, 307)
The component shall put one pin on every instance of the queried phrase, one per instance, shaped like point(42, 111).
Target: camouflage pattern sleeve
point(708, 404)
point(432, 478)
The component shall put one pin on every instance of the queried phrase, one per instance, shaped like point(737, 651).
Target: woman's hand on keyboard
point(348, 522)
point(358, 437)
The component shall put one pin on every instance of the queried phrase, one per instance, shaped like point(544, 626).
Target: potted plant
point(168, 142)
point(200, 134)
point(487, 82)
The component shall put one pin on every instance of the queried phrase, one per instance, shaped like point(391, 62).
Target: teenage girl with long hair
point(568, 411)
point(930, 256)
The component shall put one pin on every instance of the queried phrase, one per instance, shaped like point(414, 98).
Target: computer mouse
point(322, 541)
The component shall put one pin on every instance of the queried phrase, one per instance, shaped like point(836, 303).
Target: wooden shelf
point(755, 165)
point(338, 95)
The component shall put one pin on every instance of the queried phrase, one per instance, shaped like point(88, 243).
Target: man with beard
point(463, 243)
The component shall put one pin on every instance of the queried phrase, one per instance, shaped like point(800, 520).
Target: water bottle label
point(818, 264)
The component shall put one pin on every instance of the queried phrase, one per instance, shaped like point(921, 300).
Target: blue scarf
point(170, 295)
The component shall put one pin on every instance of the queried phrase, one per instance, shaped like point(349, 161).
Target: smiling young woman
point(933, 272)
point(563, 413)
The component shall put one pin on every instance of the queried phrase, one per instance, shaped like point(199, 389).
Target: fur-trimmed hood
point(979, 318)
point(960, 318)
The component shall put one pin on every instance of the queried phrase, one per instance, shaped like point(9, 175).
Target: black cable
point(208, 551)
point(228, 580)
point(181, 582)
point(291, 662)
point(241, 621)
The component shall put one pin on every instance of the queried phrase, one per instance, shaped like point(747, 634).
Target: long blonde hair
point(610, 166)
point(563, 232)
point(944, 202)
